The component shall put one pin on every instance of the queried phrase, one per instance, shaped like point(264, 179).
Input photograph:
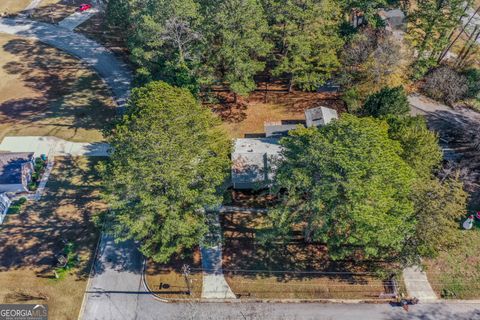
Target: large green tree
point(307, 38)
point(236, 44)
point(163, 38)
point(346, 185)
point(169, 160)
point(439, 206)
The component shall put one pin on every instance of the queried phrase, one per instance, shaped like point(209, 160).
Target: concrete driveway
point(54, 146)
point(115, 73)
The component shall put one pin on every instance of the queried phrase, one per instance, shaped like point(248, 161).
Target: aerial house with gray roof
point(255, 160)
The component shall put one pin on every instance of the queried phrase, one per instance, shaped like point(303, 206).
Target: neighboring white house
point(16, 170)
point(4, 205)
point(255, 160)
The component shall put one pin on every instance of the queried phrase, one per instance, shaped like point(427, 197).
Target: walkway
point(417, 284)
point(54, 146)
point(214, 284)
point(115, 73)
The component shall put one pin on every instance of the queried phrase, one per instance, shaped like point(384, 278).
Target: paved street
point(115, 73)
point(116, 292)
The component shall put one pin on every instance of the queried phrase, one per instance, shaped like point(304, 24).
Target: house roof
point(320, 116)
point(11, 166)
point(254, 161)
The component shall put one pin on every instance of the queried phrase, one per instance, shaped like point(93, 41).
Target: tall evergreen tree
point(429, 27)
point(236, 46)
point(346, 185)
point(306, 33)
point(169, 160)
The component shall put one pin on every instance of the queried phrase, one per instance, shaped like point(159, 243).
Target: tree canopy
point(345, 184)
point(388, 101)
point(169, 160)
point(308, 41)
point(420, 148)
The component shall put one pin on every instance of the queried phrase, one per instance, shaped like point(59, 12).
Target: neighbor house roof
point(11, 164)
point(320, 116)
point(254, 162)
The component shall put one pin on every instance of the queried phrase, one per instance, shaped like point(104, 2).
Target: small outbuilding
point(320, 116)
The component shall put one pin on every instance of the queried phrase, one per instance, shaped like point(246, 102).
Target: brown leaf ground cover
point(289, 271)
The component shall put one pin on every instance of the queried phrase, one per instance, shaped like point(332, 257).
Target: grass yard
point(31, 240)
point(247, 117)
point(254, 270)
point(167, 280)
point(45, 92)
point(15, 6)
point(456, 273)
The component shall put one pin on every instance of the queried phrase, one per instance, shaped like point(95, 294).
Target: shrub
point(473, 82)
point(388, 101)
point(446, 84)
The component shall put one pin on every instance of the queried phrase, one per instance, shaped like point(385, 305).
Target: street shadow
point(458, 133)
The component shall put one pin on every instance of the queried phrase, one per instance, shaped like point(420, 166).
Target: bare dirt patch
point(246, 117)
point(289, 271)
point(31, 240)
point(44, 91)
point(167, 281)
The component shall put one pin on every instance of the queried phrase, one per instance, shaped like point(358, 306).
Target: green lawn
point(31, 240)
point(45, 92)
point(456, 273)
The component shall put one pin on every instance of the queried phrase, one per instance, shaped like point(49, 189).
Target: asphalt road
point(116, 289)
point(116, 292)
point(114, 72)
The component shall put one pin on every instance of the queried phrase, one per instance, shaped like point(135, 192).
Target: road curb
point(90, 276)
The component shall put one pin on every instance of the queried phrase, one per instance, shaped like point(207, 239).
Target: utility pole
point(186, 275)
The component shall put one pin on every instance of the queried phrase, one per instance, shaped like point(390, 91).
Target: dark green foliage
point(439, 206)
point(346, 185)
point(169, 161)
point(389, 101)
point(473, 79)
point(420, 148)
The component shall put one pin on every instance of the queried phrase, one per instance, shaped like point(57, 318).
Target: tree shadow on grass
point(35, 237)
point(244, 255)
point(69, 96)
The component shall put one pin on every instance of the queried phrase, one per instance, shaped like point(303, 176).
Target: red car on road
point(84, 7)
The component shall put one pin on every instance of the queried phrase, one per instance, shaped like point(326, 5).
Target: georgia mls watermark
point(23, 312)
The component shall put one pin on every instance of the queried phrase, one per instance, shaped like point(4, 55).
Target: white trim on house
point(5, 203)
